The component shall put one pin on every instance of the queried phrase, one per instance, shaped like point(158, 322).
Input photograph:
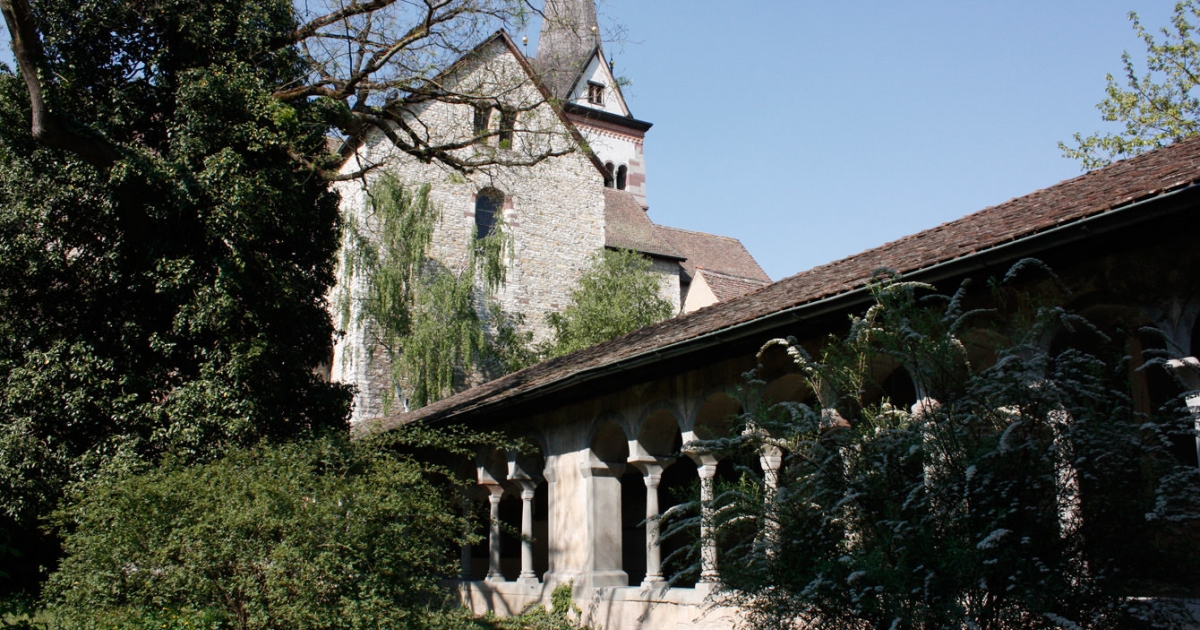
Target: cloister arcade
point(615, 426)
point(585, 507)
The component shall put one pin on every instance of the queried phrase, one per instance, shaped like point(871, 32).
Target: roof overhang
point(1072, 232)
point(608, 118)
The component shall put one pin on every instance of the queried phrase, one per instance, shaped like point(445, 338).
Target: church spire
point(570, 32)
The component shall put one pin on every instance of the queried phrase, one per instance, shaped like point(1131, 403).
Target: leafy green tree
point(163, 260)
point(1157, 106)
point(166, 226)
point(436, 325)
point(1026, 494)
point(616, 295)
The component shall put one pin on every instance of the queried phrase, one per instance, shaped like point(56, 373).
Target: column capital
point(1186, 370)
point(924, 406)
point(770, 457)
point(601, 469)
point(651, 467)
point(701, 457)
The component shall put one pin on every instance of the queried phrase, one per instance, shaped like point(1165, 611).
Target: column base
point(492, 579)
point(528, 580)
point(655, 583)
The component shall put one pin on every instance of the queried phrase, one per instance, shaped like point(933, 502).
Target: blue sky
point(815, 130)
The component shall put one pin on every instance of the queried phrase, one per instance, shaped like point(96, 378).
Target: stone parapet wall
point(611, 608)
point(667, 272)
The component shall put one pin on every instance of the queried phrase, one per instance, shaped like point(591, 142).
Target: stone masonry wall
point(668, 277)
point(554, 210)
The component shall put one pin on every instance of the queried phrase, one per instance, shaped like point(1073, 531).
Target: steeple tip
point(570, 32)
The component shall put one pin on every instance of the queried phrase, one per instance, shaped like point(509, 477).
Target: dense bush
point(327, 534)
point(1021, 493)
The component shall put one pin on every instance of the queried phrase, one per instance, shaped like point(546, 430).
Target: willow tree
point(437, 325)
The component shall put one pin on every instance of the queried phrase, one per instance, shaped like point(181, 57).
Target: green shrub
point(562, 614)
point(325, 534)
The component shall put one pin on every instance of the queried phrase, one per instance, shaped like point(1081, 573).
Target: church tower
point(571, 64)
point(569, 36)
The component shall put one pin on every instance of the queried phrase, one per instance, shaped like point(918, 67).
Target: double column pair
point(528, 486)
point(706, 468)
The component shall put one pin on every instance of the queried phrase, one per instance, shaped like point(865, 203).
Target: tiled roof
point(721, 254)
point(726, 287)
point(626, 226)
point(1094, 193)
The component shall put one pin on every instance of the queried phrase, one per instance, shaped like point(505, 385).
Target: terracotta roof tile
point(1091, 194)
point(626, 226)
point(721, 254)
point(726, 287)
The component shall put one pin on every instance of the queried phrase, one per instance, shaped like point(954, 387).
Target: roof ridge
point(677, 229)
point(1099, 172)
point(731, 275)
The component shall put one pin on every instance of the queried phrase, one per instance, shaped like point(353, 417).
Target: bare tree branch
point(47, 128)
point(351, 10)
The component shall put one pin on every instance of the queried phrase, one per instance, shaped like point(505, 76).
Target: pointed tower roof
point(570, 34)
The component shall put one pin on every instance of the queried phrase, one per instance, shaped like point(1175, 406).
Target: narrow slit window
point(608, 175)
point(508, 122)
point(483, 120)
point(488, 205)
point(622, 175)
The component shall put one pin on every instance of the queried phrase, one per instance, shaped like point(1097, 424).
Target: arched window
point(621, 174)
point(488, 204)
point(608, 178)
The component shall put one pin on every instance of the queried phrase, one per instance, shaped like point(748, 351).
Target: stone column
point(708, 550)
point(527, 577)
point(654, 574)
point(1066, 476)
point(550, 475)
point(771, 458)
point(494, 574)
point(652, 468)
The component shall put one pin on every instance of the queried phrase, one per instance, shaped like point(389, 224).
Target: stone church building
point(556, 155)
